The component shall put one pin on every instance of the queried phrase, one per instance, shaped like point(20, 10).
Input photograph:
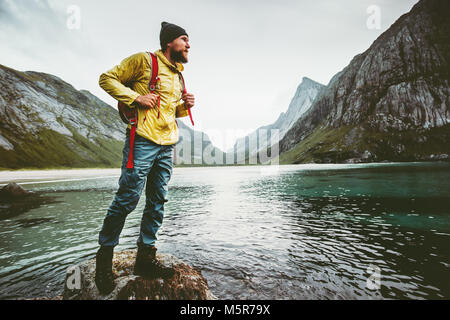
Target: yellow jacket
point(131, 78)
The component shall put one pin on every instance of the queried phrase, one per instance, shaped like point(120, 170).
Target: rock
point(437, 157)
point(187, 283)
point(44, 298)
point(366, 155)
point(13, 190)
point(353, 161)
point(15, 201)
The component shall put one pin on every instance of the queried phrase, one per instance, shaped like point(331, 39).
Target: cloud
point(30, 22)
point(38, 39)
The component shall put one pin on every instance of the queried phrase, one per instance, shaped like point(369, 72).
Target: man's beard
point(177, 56)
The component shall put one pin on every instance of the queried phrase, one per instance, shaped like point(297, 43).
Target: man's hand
point(148, 101)
point(189, 100)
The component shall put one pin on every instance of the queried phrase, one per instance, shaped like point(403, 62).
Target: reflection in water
point(15, 206)
point(304, 232)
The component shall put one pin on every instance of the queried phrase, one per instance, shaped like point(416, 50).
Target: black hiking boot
point(103, 270)
point(148, 266)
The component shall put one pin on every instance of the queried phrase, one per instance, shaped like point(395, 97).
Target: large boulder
point(13, 191)
point(187, 283)
point(15, 200)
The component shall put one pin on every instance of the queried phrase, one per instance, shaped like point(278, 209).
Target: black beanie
point(169, 32)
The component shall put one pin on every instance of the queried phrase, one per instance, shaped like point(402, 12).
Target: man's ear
point(169, 45)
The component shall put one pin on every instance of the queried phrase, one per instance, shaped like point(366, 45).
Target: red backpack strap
point(155, 69)
point(154, 78)
point(130, 163)
point(183, 90)
point(152, 86)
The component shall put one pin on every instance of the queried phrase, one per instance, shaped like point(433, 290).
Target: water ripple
point(305, 232)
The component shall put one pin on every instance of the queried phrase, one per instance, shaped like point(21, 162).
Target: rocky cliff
point(390, 103)
point(47, 123)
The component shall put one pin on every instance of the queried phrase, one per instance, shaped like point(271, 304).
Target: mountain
point(391, 103)
point(195, 148)
point(300, 103)
point(47, 123)
point(304, 96)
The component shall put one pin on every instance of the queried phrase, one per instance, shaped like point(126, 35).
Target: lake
point(354, 231)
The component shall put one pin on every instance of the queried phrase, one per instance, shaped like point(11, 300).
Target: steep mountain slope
point(390, 103)
point(304, 96)
point(300, 103)
point(47, 123)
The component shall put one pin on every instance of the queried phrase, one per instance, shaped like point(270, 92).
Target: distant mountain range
point(47, 123)
point(259, 139)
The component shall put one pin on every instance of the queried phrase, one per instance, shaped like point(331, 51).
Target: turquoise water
point(299, 232)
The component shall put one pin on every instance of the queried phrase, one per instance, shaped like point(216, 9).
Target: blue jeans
point(152, 163)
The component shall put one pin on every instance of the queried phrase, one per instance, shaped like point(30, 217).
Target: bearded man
point(152, 154)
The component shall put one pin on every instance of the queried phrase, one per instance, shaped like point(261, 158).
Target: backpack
point(130, 115)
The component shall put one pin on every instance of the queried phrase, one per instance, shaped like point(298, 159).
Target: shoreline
point(35, 176)
point(30, 176)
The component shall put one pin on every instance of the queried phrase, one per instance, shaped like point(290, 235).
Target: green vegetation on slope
point(336, 145)
point(50, 149)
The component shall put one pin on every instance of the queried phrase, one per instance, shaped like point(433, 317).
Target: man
point(156, 135)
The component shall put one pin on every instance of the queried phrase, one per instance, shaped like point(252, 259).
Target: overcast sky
point(246, 59)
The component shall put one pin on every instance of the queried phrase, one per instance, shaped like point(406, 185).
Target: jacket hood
point(178, 67)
